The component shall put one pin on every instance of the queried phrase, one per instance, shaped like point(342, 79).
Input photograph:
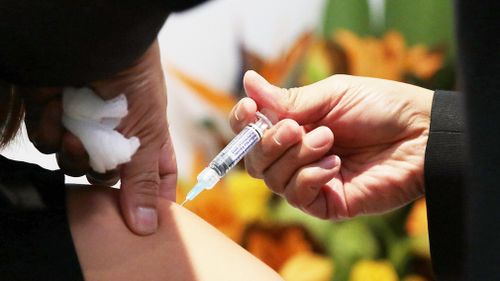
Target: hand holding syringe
point(230, 156)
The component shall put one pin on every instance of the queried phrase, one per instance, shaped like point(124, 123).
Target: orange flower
point(221, 100)
point(388, 57)
point(416, 223)
point(216, 208)
point(275, 245)
point(277, 70)
point(421, 63)
point(416, 227)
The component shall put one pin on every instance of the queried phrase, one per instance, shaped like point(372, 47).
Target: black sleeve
point(35, 239)
point(60, 42)
point(444, 184)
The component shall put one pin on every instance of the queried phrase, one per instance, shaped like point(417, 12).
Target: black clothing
point(35, 240)
point(461, 170)
point(479, 56)
point(60, 42)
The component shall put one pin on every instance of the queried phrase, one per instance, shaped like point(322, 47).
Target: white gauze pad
point(93, 120)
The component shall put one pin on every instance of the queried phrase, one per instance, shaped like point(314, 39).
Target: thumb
point(140, 184)
point(305, 105)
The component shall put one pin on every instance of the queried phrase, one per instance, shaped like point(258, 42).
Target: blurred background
point(205, 52)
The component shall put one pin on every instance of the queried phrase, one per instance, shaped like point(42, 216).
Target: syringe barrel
point(240, 145)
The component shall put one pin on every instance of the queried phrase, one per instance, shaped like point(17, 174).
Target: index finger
point(242, 114)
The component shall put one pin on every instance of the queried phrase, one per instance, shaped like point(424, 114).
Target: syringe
point(230, 156)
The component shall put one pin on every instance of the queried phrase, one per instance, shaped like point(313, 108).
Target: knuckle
point(293, 199)
point(146, 184)
point(267, 150)
point(254, 173)
point(305, 178)
point(293, 99)
point(251, 168)
point(320, 213)
point(273, 185)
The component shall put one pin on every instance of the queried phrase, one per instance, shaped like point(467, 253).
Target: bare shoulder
point(184, 248)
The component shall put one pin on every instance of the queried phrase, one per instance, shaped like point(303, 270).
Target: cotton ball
point(93, 121)
point(82, 103)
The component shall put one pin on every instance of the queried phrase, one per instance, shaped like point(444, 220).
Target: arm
point(184, 247)
point(46, 235)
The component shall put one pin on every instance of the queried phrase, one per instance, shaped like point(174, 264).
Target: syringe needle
point(185, 201)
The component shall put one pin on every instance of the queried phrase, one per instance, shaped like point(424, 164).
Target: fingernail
point(329, 162)
point(283, 134)
point(146, 220)
point(238, 112)
point(258, 78)
point(317, 138)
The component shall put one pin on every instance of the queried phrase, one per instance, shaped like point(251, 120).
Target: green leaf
point(420, 245)
point(351, 241)
point(399, 255)
point(353, 15)
point(427, 22)
point(319, 229)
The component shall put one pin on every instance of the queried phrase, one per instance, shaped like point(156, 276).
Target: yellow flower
point(369, 270)
point(249, 196)
point(306, 266)
point(215, 206)
point(234, 202)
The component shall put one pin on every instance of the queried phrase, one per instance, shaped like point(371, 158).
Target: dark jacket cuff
point(444, 166)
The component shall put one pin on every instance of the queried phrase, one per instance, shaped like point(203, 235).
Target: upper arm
point(184, 248)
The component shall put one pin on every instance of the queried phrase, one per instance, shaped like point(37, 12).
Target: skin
point(184, 248)
point(152, 172)
point(342, 147)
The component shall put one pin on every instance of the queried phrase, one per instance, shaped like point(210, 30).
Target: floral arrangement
point(389, 247)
